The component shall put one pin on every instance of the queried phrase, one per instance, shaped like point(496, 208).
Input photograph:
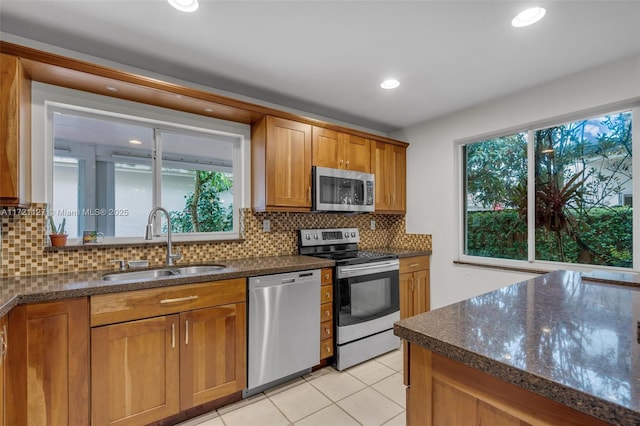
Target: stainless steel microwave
point(336, 190)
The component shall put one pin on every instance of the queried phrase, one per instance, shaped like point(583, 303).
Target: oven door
point(342, 190)
point(366, 292)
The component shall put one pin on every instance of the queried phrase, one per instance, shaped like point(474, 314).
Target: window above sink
point(109, 166)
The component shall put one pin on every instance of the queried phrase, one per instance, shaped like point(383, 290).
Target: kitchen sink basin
point(162, 272)
point(152, 273)
point(200, 269)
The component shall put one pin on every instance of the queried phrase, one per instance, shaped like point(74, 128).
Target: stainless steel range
point(366, 293)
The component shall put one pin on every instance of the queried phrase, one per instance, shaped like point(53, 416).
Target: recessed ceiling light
point(184, 5)
point(390, 83)
point(135, 142)
point(111, 88)
point(528, 17)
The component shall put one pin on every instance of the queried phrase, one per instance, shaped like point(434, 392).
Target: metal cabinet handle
point(327, 348)
point(327, 313)
point(186, 334)
point(178, 299)
point(413, 265)
point(341, 161)
point(327, 331)
point(173, 336)
point(328, 294)
point(347, 163)
point(326, 277)
point(309, 193)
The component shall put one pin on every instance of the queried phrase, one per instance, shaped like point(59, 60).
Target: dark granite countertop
point(40, 288)
point(557, 335)
point(403, 252)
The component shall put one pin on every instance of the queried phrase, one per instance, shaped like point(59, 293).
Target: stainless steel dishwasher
point(284, 328)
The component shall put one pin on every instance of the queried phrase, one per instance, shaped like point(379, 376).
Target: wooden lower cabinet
point(47, 371)
point(4, 346)
point(326, 314)
point(445, 392)
point(147, 370)
point(212, 354)
point(414, 286)
point(135, 371)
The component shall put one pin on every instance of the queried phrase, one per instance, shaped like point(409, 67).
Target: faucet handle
point(177, 255)
point(122, 264)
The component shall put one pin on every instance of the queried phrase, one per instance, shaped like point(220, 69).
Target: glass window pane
point(496, 197)
point(65, 194)
point(583, 185)
point(197, 182)
point(133, 198)
point(113, 187)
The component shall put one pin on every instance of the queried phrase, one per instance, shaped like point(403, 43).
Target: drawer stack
point(326, 314)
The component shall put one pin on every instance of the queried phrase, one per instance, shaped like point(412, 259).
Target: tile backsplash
point(23, 244)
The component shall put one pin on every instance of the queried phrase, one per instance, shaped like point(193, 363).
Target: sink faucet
point(149, 235)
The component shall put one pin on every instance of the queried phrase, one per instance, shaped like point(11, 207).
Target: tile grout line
point(309, 379)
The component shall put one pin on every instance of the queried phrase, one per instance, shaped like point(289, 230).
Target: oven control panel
point(321, 237)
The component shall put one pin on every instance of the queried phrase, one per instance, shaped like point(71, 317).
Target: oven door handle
point(368, 268)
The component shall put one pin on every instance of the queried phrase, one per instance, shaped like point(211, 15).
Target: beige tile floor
point(369, 394)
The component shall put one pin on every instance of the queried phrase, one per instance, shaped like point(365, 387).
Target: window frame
point(530, 128)
point(51, 99)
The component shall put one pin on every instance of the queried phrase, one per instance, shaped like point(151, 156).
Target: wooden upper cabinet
point(339, 150)
point(48, 364)
point(15, 133)
point(388, 164)
point(281, 165)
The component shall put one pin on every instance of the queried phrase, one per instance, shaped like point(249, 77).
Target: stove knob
point(346, 235)
point(307, 236)
point(315, 236)
point(353, 234)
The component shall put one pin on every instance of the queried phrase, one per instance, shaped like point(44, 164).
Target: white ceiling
point(329, 57)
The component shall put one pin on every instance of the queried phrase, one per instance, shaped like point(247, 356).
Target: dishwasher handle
point(297, 278)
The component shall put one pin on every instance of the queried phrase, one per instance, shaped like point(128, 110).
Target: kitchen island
point(553, 350)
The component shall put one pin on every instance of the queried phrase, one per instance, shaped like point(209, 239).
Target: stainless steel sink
point(152, 273)
point(162, 272)
point(200, 269)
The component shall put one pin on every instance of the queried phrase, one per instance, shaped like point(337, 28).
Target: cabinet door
point(4, 346)
point(48, 366)
point(421, 292)
point(357, 153)
point(288, 159)
point(326, 148)
point(396, 178)
point(134, 371)
point(212, 354)
point(15, 133)
point(406, 295)
point(380, 168)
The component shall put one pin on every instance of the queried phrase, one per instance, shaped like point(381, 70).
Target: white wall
point(431, 161)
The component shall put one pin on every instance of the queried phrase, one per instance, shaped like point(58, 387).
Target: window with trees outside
point(108, 173)
point(562, 193)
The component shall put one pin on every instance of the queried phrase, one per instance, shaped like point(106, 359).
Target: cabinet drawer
point(326, 312)
point(326, 277)
point(326, 294)
point(138, 304)
point(326, 330)
point(326, 348)
point(412, 264)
